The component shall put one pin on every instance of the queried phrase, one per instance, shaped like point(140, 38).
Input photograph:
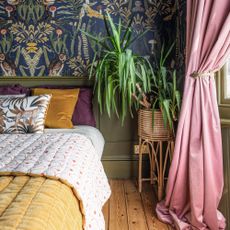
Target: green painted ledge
point(36, 81)
point(225, 123)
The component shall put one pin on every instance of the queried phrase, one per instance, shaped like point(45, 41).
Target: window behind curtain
point(227, 81)
point(223, 92)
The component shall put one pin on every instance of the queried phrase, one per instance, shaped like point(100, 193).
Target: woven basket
point(150, 131)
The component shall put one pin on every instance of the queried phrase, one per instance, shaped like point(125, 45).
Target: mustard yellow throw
point(37, 203)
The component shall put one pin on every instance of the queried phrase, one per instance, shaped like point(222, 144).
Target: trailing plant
point(164, 94)
point(117, 69)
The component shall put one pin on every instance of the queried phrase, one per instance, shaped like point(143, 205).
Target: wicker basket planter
point(150, 131)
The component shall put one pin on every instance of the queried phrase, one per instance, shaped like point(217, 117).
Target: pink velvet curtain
point(195, 181)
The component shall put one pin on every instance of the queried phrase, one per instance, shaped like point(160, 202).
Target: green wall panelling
point(116, 132)
point(124, 167)
point(118, 158)
point(37, 81)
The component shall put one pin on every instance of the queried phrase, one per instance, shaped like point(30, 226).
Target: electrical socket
point(144, 149)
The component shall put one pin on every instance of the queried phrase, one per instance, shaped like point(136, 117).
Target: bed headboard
point(37, 81)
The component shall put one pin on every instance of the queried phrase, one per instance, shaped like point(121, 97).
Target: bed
point(52, 180)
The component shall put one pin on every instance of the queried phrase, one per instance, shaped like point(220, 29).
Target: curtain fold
point(195, 180)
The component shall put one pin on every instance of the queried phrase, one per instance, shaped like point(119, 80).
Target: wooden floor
point(127, 209)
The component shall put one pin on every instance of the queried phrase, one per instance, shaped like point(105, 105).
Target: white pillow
point(23, 114)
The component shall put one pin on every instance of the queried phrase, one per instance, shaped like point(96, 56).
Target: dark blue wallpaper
point(43, 38)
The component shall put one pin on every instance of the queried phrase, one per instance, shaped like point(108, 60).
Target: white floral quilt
point(69, 157)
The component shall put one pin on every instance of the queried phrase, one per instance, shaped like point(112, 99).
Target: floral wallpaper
point(43, 37)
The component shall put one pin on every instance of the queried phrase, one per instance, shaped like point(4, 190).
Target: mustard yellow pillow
point(61, 106)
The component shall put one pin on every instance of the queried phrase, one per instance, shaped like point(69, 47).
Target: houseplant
point(121, 75)
point(159, 107)
point(117, 69)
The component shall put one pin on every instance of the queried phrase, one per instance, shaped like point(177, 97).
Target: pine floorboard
point(127, 209)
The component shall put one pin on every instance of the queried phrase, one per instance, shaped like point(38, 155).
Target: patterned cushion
point(23, 115)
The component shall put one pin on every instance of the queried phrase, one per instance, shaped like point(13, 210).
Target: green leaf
point(164, 57)
point(114, 101)
point(128, 44)
point(163, 73)
point(115, 32)
point(91, 72)
point(153, 110)
point(178, 99)
point(106, 26)
point(166, 109)
point(123, 108)
point(127, 35)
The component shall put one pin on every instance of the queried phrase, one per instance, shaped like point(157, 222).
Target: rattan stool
point(158, 161)
point(154, 138)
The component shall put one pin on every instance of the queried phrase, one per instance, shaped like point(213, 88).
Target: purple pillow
point(14, 90)
point(83, 112)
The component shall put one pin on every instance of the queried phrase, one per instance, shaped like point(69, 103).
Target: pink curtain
point(195, 181)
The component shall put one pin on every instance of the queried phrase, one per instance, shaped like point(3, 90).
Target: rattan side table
point(156, 138)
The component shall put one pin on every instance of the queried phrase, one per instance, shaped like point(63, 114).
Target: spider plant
point(168, 97)
point(164, 95)
point(117, 69)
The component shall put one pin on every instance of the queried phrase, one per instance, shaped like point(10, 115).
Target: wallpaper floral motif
point(43, 37)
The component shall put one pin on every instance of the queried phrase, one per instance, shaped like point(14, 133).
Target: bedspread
point(37, 203)
point(70, 158)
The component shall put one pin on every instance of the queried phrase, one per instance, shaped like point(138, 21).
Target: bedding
point(23, 114)
point(92, 133)
point(37, 203)
point(61, 107)
point(69, 158)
